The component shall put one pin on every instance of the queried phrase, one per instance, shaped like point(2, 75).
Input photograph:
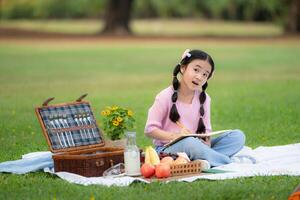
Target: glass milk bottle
point(131, 156)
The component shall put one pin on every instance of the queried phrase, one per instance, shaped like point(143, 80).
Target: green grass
point(255, 88)
point(155, 27)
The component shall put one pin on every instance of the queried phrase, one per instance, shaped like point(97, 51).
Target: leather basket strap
point(47, 101)
point(81, 97)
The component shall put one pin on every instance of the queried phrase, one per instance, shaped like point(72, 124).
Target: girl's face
point(195, 74)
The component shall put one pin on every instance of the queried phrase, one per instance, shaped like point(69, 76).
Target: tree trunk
point(117, 17)
point(293, 18)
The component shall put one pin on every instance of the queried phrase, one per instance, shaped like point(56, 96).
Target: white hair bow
point(186, 53)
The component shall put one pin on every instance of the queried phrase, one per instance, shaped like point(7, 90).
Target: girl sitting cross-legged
point(186, 102)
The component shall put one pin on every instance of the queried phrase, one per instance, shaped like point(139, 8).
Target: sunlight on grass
point(194, 27)
point(172, 27)
point(59, 26)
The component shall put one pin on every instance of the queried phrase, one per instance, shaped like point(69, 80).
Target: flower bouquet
point(116, 120)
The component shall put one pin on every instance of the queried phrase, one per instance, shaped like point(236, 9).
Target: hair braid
point(174, 115)
point(202, 97)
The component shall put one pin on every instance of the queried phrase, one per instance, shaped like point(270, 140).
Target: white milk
point(132, 162)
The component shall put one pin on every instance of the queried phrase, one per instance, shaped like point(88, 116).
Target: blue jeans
point(222, 147)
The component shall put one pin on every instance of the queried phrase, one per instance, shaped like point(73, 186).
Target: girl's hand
point(207, 141)
point(185, 131)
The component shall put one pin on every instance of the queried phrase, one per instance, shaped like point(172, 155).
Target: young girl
point(184, 108)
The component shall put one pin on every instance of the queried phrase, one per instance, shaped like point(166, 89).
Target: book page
point(195, 135)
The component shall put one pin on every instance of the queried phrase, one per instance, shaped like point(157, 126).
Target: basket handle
point(81, 97)
point(47, 101)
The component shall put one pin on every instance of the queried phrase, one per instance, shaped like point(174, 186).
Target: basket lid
point(69, 126)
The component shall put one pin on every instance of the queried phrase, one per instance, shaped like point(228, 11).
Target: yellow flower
point(130, 113)
point(119, 119)
point(115, 123)
point(114, 108)
point(115, 120)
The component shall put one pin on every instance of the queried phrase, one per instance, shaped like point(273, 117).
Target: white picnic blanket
point(271, 161)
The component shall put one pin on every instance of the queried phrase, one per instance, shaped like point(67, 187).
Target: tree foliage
point(257, 10)
point(285, 12)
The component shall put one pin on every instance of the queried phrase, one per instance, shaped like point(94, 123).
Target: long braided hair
point(194, 54)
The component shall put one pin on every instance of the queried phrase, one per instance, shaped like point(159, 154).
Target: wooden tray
point(193, 167)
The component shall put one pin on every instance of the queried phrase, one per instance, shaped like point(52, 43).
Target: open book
point(195, 135)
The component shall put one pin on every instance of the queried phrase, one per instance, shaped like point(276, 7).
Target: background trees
point(117, 13)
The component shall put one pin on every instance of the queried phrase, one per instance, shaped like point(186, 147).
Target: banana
point(153, 156)
point(147, 156)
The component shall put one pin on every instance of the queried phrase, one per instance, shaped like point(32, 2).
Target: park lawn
point(255, 89)
point(154, 27)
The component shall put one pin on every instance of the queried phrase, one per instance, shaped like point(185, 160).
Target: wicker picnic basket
point(73, 136)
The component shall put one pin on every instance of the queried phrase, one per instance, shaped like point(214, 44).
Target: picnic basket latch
point(81, 97)
point(100, 163)
point(111, 162)
point(47, 101)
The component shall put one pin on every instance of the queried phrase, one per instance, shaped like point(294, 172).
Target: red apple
point(162, 170)
point(147, 170)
